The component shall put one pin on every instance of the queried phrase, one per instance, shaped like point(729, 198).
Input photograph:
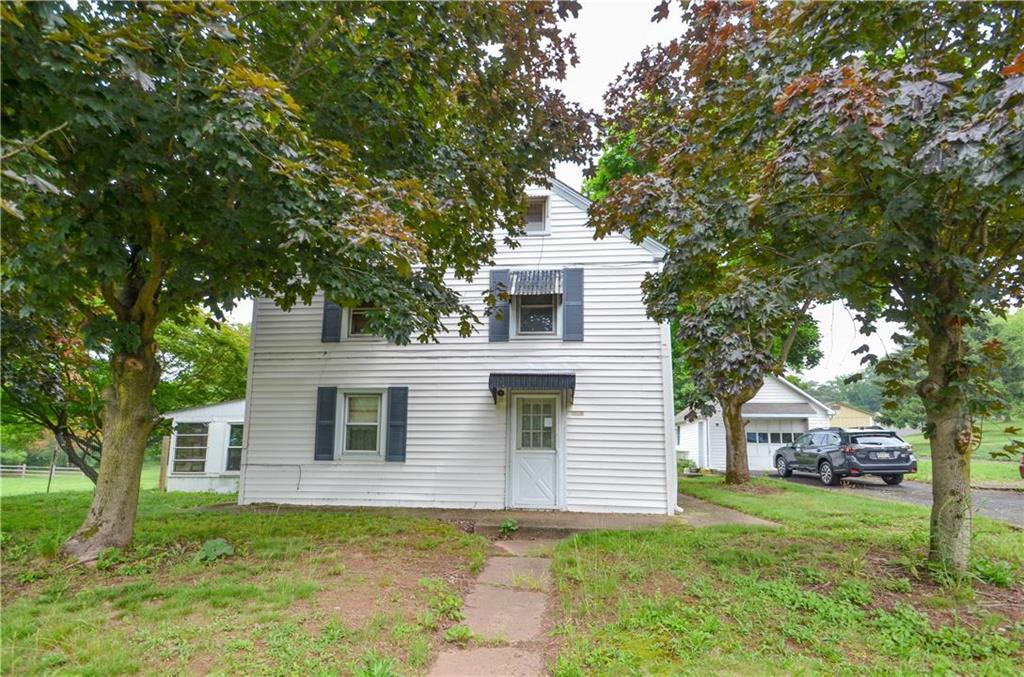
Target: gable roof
point(578, 199)
point(850, 406)
point(807, 396)
point(765, 409)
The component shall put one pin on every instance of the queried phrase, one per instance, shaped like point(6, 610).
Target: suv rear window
point(876, 439)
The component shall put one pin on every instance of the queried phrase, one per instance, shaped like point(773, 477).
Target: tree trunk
point(737, 468)
point(950, 439)
point(128, 419)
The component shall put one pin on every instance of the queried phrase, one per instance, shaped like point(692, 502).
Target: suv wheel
point(827, 474)
point(892, 480)
point(780, 465)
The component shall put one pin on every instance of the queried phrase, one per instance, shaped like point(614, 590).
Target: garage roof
point(782, 408)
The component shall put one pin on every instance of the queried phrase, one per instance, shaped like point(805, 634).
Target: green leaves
point(213, 550)
point(286, 149)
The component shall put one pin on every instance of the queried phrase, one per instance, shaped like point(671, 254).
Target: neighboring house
point(206, 447)
point(562, 402)
point(774, 417)
point(849, 416)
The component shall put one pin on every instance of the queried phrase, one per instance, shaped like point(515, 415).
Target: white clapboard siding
point(615, 432)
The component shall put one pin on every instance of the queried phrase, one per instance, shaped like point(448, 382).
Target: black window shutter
point(497, 328)
point(398, 423)
point(326, 411)
point(572, 288)
point(330, 330)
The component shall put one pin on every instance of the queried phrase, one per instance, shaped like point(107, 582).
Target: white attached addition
point(206, 447)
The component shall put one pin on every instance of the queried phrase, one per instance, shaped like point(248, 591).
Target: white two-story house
point(562, 402)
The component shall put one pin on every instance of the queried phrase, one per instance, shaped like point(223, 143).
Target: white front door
point(534, 447)
point(765, 435)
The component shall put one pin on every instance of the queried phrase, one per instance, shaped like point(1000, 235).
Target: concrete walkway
point(507, 609)
point(698, 513)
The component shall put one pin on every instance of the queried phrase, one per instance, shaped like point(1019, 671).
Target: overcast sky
point(609, 35)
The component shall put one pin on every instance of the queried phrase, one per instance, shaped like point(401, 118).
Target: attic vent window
point(537, 216)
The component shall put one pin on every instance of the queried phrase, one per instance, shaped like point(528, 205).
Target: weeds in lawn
point(993, 572)
point(375, 665)
point(213, 550)
point(305, 591)
point(458, 634)
point(444, 602)
point(807, 597)
point(526, 581)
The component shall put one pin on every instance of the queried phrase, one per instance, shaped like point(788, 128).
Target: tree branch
point(787, 345)
point(25, 145)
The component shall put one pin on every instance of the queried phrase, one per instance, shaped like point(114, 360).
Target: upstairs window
point(359, 322)
point(537, 216)
point(190, 447)
point(538, 314)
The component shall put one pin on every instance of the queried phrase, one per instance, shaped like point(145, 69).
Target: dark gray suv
point(834, 453)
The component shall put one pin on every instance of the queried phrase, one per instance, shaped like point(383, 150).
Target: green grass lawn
point(839, 588)
point(983, 467)
point(16, 486)
point(305, 591)
point(993, 438)
point(987, 472)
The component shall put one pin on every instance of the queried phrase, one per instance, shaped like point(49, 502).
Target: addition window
point(536, 423)
point(234, 462)
point(536, 216)
point(538, 314)
point(362, 417)
point(190, 447)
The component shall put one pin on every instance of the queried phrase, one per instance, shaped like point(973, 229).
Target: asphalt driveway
point(1007, 506)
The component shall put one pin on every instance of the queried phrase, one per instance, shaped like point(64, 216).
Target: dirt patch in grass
point(756, 489)
point(367, 584)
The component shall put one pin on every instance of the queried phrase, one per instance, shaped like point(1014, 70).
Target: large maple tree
point(160, 156)
point(872, 151)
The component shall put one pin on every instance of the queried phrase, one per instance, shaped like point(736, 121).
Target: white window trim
point(348, 326)
point(174, 453)
point(227, 446)
point(547, 217)
point(342, 417)
point(514, 332)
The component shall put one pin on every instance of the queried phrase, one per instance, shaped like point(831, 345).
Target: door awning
point(534, 282)
point(499, 383)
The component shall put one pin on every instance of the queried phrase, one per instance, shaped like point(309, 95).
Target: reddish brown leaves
point(1015, 68)
point(803, 84)
point(660, 12)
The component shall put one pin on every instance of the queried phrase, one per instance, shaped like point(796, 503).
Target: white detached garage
point(773, 418)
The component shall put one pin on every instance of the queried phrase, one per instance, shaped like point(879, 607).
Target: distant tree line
point(866, 390)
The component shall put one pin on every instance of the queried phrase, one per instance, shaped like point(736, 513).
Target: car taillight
point(849, 449)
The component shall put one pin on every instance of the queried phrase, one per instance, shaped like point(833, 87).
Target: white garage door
point(765, 435)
